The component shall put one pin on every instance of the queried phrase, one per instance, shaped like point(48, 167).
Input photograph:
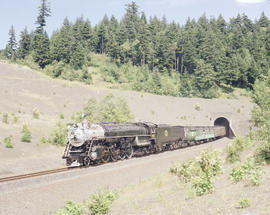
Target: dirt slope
point(23, 90)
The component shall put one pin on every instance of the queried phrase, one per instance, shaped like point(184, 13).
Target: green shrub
point(5, 118)
point(110, 108)
point(71, 208)
point(249, 172)
point(35, 114)
point(210, 162)
point(244, 203)
point(262, 153)
point(7, 141)
point(202, 184)
point(200, 171)
point(197, 108)
point(15, 119)
point(26, 134)
point(58, 135)
point(62, 116)
point(233, 150)
point(86, 76)
point(101, 202)
point(43, 140)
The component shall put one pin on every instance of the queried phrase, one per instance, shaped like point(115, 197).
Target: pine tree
point(24, 44)
point(42, 49)
point(10, 51)
point(41, 42)
point(44, 11)
point(61, 43)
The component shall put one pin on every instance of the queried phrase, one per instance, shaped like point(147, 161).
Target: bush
point(61, 116)
point(197, 108)
point(43, 140)
point(86, 76)
point(101, 202)
point(249, 171)
point(7, 141)
point(5, 118)
point(26, 134)
point(200, 171)
point(71, 208)
point(58, 135)
point(233, 150)
point(110, 108)
point(35, 114)
point(15, 119)
point(210, 162)
point(203, 184)
point(244, 203)
point(262, 153)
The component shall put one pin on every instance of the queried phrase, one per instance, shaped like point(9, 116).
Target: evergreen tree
point(42, 49)
point(61, 43)
point(41, 42)
point(24, 44)
point(44, 11)
point(10, 51)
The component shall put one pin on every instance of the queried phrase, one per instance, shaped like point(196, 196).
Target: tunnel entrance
point(222, 121)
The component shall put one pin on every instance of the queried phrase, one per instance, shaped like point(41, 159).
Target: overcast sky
point(21, 13)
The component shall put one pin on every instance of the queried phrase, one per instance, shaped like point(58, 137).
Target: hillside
point(23, 91)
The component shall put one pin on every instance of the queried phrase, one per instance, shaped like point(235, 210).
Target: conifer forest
point(202, 57)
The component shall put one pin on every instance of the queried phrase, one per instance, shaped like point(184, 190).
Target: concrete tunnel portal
point(222, 121)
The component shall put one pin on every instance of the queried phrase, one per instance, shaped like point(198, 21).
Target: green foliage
point(15, 119)
point(58, 135)
point(41, 44)
point(26, 134)
point(10, 50)
point(24, 44)
point(5, 118)
point(262, 153)
point(35, 114)
point(244, 203)
point(203, 184)
point(110, 108)
point(101, 202)
point(197, 107)
point(61, 116)
point(200, 171)
point(233, 150)
point(71, 208)
point(250, 172)
point(200, 58)
point(43, 140)
point(7, 141)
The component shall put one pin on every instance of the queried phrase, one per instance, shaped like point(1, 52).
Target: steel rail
point(34, 174)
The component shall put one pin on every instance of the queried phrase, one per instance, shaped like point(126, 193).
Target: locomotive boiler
point(108, 141)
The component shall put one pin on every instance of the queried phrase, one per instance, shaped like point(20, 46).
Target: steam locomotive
point(90, 144)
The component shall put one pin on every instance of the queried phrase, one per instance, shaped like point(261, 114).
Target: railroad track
point(34, 174)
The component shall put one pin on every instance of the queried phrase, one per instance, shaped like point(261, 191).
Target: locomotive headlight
point(72, 135)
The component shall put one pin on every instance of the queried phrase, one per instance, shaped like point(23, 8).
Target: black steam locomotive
point(100, 143)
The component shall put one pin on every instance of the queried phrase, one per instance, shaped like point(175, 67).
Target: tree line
point(207, 54)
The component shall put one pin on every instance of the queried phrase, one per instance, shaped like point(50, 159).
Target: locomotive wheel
point(122, 152)
point(68, 161)
point(129, 151)
point(113, 154)
point(106, 155)
point(86, 161)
